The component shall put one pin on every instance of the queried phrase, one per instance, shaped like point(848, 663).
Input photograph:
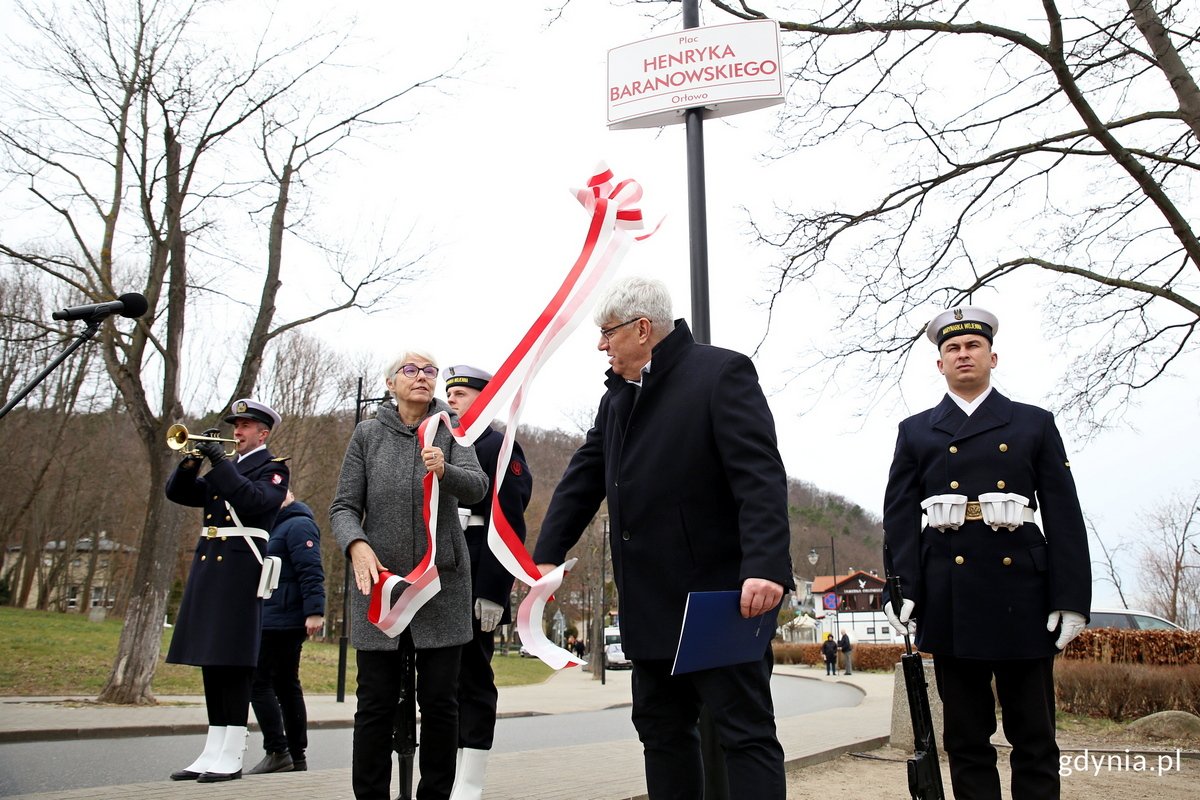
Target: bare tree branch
point(1049, 151)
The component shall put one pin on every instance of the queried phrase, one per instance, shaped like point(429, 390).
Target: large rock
point(1168, 725)
point(902, 732)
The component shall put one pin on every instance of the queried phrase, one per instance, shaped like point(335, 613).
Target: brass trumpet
point(179, 439)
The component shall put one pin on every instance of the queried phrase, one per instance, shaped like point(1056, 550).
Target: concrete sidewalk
point(545, 774)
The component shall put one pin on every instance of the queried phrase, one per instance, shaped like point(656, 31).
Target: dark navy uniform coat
point(491, 580)
point(696, 489)
point(981, 593)
point(220, 615)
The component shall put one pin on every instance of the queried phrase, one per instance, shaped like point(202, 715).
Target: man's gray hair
point(404, 357)
point(634, 297)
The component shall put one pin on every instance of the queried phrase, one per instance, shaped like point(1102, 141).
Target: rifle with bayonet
point(924, 772)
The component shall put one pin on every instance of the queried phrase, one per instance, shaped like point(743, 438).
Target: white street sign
point(725, 69)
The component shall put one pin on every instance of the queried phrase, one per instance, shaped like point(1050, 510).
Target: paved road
point(50, 766)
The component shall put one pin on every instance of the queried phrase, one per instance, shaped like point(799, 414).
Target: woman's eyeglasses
point(411, 371)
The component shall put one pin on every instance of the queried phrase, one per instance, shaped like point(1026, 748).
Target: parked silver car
point(1130, 619)
point(614, 657)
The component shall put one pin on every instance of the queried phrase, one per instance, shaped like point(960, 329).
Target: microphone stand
point(93, 325)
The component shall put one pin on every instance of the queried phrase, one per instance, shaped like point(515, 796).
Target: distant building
point(851, 604)
point(71, 569)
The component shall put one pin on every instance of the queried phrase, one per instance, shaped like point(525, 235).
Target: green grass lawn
point(47, 653)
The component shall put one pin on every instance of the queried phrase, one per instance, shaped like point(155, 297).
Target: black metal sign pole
point(697, 215)
point(716, 780)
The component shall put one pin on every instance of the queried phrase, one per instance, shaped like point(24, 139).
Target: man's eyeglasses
point(608, 332)
point(411, 370)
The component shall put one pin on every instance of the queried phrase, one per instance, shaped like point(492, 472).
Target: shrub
point(1119, 646)
point(1124, 692)
point(866, 656)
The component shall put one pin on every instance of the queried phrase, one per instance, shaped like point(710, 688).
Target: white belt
point(268, 579)
point(466, 519)
point(213, 532)
point(996, 509)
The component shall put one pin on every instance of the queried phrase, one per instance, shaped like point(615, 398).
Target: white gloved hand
point(488, 614)
point(904, 622)
point(1072, 623)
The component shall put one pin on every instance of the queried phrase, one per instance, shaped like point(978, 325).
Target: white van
point(614, 654)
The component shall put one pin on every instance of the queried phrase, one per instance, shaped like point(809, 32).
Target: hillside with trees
point(71, 491)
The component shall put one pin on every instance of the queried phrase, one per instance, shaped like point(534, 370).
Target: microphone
point(130, 305)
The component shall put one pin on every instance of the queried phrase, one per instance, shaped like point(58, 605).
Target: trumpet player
point(220, 615)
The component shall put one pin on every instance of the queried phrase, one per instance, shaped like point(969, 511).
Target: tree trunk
point(1148, 21)
point(141, 637)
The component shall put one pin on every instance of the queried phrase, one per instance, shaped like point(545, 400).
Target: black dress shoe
point(300, 765)
point(272, 762)
point(185, 775)
point(217, 777)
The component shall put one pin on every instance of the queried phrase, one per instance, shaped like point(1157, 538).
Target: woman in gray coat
point(377, 519)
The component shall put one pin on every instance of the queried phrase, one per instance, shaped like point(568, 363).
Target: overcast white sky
point(484, 175)
point(492, 166)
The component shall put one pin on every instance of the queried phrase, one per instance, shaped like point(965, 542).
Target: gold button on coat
point(228, 518)
point(1007, 561)
point(953, 449)
point(226, 538)
point(1003, 448)
point(203, 558)
point(953, 484)
point(959, 560)
point(999, 484)
point(220, 558)
point(208, 516)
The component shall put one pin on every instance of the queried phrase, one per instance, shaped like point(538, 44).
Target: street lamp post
point(602, 617)
point(360, 403)
point(600, 611)
point(813, 557)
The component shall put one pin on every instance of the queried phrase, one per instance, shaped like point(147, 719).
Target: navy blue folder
point(715, 634)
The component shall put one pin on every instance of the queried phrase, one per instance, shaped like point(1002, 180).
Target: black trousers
point(276, 695)
point(477, 692)
point(1025, 688)
point(227, 695)
point(379, 687)
point(665, 712)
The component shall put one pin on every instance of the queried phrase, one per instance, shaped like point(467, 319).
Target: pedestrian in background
point(829, 650)
point(293, 612)
point(846, 647)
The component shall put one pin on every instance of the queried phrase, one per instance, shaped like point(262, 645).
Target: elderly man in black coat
point(986, 591)
point(684, 450)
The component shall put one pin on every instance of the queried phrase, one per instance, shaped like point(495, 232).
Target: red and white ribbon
point(614, 213)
